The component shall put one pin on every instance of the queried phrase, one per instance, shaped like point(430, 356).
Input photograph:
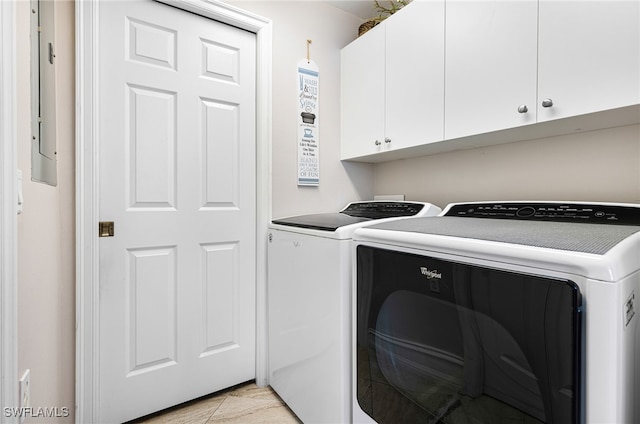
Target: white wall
point(601, 165)
point(330, 29)
point(46, 252)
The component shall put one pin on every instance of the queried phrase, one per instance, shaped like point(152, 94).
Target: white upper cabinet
point(443, 75)
point(392, 91)
point(362, 87)
point(490, 65)
point(511, 63)
point(589, 56)
point(415, 71)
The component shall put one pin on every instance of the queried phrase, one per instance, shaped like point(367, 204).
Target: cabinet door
point(490, 66)
point(362, 94)
point(414, 107)
point(589, 56)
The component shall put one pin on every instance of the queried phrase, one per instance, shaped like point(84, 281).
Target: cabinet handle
point(387, 140)
point(377, 143)
point(523, 109)
point(547, 103)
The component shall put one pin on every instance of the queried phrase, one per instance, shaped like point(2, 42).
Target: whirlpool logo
point(430, 274)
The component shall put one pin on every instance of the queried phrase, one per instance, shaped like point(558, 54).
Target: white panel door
point(177, 176)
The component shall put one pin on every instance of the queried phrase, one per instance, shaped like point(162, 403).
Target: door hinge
point(105, 229)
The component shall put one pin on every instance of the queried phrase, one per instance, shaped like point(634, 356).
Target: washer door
point(321, 221)
point(440, 341)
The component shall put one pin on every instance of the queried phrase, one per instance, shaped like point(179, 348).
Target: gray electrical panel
point(43, 93)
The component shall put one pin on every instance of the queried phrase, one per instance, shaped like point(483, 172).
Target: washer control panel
point(550, 211)
point(383, 209)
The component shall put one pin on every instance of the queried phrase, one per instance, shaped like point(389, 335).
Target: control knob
point(526, 212)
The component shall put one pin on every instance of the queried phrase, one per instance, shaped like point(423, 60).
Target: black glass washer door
point(445, 342)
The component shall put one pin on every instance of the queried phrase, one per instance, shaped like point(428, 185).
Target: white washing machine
point(309, 305)
point(499, 312)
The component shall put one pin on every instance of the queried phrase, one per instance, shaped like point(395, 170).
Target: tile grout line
point(224, 399)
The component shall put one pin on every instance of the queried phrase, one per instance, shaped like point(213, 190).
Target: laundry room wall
point(602, 165)
point(329, 29)
point(46, 232)
point(46, 228)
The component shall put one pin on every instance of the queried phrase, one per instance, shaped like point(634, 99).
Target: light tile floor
point(245, 403)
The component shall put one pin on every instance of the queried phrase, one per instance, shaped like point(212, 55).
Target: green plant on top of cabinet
point(525, 61)
point(392, 90)
point(384, 9)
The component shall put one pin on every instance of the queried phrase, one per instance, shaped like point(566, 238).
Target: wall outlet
point(25, 393)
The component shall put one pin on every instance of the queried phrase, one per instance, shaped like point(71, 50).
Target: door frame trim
point(87, 113)
point(8, 212)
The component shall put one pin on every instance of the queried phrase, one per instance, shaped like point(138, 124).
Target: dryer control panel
point(604, 213)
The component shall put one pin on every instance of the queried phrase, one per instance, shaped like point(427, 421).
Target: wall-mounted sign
point(308, 124)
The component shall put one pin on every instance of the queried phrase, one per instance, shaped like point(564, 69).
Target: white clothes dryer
point(499, 312)
point(309, 305)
